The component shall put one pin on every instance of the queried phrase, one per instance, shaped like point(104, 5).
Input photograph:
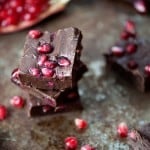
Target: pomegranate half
point(16, 15)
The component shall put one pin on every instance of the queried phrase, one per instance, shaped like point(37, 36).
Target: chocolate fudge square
point(131, 59)
point(49, 61)
point(50, 95)
point(67, 101)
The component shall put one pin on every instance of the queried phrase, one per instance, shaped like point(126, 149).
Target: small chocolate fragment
point(51, 60)
point(67, 101)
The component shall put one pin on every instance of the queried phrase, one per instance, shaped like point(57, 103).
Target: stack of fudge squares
point(49, 71)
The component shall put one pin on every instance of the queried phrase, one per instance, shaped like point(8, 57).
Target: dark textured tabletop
point(107, 99)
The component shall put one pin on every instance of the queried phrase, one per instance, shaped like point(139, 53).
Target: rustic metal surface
point(107, 100)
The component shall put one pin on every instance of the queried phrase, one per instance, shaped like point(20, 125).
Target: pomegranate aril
point(117, 51)
point(130, 27)
point(3, 112)
point(17, 102)
point(42, 59)
point(50, 64)
point(131, 48)
point(125, 35)
point(71, 143)
point(80, 123)
point(147, 69)
point(63, 61)
point(122, 130)
point(140, 6)
point(45, 48)
point(35, 72)
point(48, 72)
point(132, 64)
point(87, 147)
point(16, 3)
point(35, 34)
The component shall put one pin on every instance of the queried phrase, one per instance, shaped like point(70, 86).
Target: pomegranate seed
point(50, 64)
point(132, 135)
point(122, 130)
point(71, 143)
point(16, 3)
point(140, 6)
point(131, 48)
point(48, 72)
point(117, 51)
point(147, 70)
point(42, 59)
point(130, 27)
point(15, 73)
point(45, 48)
point(80, 123)
point(17, 102)
point(63, 61)
point(87, 147)
point(125, 35)
point(3, 112)
point(132, 64)
point(34, 34)
point(34, 71)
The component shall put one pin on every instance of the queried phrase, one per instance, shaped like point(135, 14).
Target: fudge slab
point(134, 67)
point(61, 51)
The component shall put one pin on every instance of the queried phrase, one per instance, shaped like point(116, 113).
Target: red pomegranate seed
point(132, 135)
point(16, 3)
point(140, 6)
point(80, 123)
point(34, 34)
point(42, 59)
point(15, 73)
point(50, 64)
point(48, 72)
point(3, 112)
point(131, 48)
point(87, 147)
point(130, 27)
point(63, 61)
point(35, 72)
point(147, 70)
point(17, 102)
point(122, 130)
point(132, 64)
point(71, 143)
point(125, 35)
point(45, 48)
point(117, 51)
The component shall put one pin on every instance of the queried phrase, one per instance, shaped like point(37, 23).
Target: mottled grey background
point(107, 99)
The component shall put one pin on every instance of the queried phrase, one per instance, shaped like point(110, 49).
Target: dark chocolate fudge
point(50, 95)
point(130, 58)
point(49, 62)
point(67, 101)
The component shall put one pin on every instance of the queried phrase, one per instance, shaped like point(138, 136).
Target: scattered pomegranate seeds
point(130, 27)
point(125, 35)
point(17, 102)
point(117, 51)
point(80, 123)
point(122, 130)
point(48, 72)
point(140, 6)
point(147, 70)
point(35, 34)
point(35, 72)
point(71, 143)
point(45, 48)
point(63, 61)
point(131, 48)
point(87, 147)
point(3, 112)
